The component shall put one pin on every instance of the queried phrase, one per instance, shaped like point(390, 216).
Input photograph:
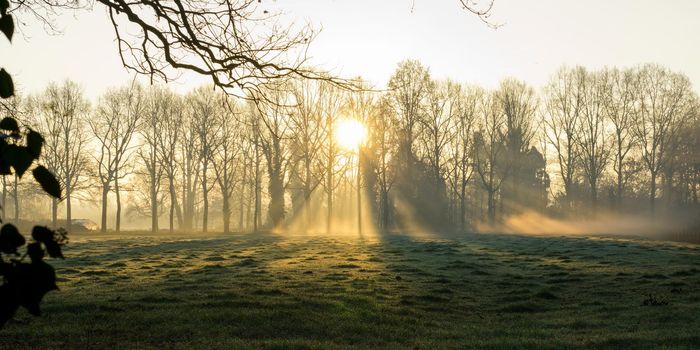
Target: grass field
point(268, 291)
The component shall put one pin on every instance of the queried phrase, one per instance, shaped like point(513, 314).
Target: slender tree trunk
point(594, 196)
point(276, 187)
point(54, 213)
point(154, 199)
point(329, 199)
point(171, 216)
point(226, 212)
point(16, 200)
point(257, 215)
point(462, 206)
point(105, 191)
point(384, 198)
point(307, 195)
point(69, 180)
point(242, 202)
point(69, 210)
point(205, 199)
point(620, 186)
point(652, 194)
point(4, 197)
point(118, 219)
point(491, 205)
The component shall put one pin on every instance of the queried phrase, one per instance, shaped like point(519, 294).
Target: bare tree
point(113, 125)
point(564, 103)
point(489, 150)
point(666, 104)
point(157, 110)
point(593, 136)
point(309, 132)
point(620, 96)
point(383, 141)
point(189, 164)
point(225, 157)
point(273, 134)
point(519, 104)
point(435, 128)
point(331, 101)
point(408, 88)
point(61, 113)
point(168, 138)
point(466, 102)
point(206, 106)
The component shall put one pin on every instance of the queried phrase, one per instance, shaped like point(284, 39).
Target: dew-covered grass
point(266, 291)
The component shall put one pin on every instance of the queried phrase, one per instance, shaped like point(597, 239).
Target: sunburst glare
point(350, 133)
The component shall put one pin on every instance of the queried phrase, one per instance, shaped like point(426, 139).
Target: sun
point(350, 133)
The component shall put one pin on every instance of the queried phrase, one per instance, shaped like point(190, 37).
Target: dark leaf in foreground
point(54, 249)
point(33, 281)
point(42, 234)
point(4, 5)
point(8, 123)
point(10, 239)
point(7, 26)
point(8, 303)
point(47, 181)
point(34, 143)
point(20, 158)
point(7, 87)
point(35, 252)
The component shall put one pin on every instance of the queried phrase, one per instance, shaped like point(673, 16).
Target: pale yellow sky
point(369, 37)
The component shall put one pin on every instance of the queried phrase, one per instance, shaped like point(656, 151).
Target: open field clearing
point(268, 291)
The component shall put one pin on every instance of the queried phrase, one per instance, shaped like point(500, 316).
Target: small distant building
point(78, 225)
point(83, 225)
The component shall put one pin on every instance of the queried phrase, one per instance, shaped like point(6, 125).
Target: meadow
point(268, 291)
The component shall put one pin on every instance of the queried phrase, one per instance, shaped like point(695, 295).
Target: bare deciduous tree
point(113, 126)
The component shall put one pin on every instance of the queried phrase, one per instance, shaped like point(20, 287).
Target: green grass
point(273, 292)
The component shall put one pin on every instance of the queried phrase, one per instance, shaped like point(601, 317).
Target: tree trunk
point(16, 200)
point(4, 197)
point(329, 199)
point(105, 191)
point(54, 213)
point(118, 218)
point(205, 200)
point(241, 201)
point(276, 188)
point(171, 218)
point(462, 206)
point(491, 206)
point(652, 194)
point(69, 189)
point(154, 200)
point(226, 213)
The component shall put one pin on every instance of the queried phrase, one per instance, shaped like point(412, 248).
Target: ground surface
point(396, 292)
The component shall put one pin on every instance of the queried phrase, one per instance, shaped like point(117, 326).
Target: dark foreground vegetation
point(394, 292)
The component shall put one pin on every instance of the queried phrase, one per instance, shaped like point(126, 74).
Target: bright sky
point(369, 37)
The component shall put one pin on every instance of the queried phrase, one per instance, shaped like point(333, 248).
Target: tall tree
point(619, 98)
point(466, 101)
point(593, 136)
point(564, 104)
point(666, 104)
point(62, 111)
point(113, 126)
point(408, 88)
point(206, 106)
point(168, 138)
point(519, 104)
point(225, 158)
point(489, 150)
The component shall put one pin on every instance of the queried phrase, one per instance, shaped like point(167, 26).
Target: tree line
point(439, 154)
